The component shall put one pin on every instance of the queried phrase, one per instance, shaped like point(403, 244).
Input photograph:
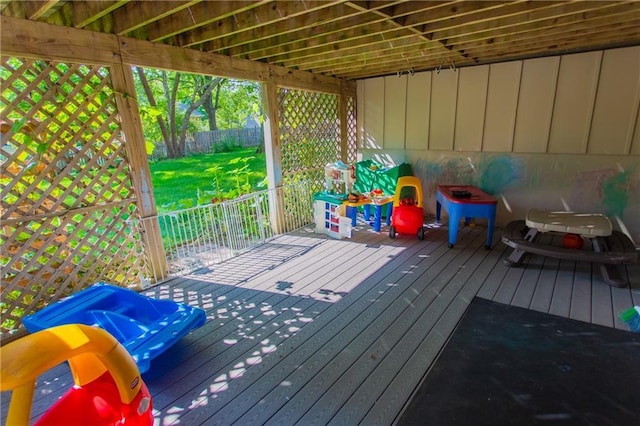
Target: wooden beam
point(34, 39)
point(144, 53)
point(21, 37)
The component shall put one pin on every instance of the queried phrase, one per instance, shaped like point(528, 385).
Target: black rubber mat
point(505, 365)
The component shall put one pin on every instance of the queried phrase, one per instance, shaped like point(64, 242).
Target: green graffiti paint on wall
point(615, 194)
point(498, 172)
point(491, 173)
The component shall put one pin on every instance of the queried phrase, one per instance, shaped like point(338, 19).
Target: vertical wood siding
point(585, 103)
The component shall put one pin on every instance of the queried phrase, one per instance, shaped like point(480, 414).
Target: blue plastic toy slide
point(146, 327)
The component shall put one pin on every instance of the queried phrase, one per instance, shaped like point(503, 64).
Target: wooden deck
point(311, 330)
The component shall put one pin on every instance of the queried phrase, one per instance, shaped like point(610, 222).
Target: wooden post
point(273, 154)
point(344, 132)
point(122, 80)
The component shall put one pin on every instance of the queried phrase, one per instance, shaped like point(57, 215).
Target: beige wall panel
point(472, 99)
point(373, 112)
point(535, 104)
point(418, 108)
point(616, 106)
point(444, 88)
point(395, 104)
point(502, 102)
point(573, 109)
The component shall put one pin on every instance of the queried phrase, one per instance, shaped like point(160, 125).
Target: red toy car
point(408, 214)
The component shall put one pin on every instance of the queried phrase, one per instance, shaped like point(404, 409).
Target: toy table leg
point(366, 209)
point(454, 220)
point(389, 212)
point(377, 217)
point(352, 212)
point(438, 210)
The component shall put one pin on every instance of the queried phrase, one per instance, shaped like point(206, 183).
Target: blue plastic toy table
point(379, 204)
point(146, 327)
point(465, 201)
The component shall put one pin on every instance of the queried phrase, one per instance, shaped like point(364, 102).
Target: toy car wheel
point(421, 234)
point(392, 232)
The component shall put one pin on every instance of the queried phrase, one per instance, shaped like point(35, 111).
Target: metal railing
point(201, 236)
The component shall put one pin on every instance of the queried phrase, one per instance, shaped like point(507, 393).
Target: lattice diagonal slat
point(309, 133)
point(352, 141)
point(66, 186)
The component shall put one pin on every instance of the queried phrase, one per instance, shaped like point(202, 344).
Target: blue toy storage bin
point(146, 327)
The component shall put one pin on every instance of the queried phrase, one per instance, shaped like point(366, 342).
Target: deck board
point(581, 294)
point(311, 330)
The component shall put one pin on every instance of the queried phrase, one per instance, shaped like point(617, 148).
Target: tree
point(239, 100)
point(172, 99)
point(212, 101)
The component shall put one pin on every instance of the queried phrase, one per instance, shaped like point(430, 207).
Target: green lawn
point(190, 181)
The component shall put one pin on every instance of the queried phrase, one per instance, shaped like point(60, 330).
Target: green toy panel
point(371, 175)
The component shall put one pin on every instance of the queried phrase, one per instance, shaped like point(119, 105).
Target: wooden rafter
point(277, 38)
point(530, 29)
point(270, 15)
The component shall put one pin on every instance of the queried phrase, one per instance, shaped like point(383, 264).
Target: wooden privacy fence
point(215, 140)
point(235, 137)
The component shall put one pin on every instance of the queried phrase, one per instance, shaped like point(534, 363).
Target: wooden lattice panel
point(352, 141)
point(309, 133)
point(66, 187)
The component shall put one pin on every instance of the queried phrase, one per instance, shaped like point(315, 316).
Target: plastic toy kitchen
point(353, 188)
